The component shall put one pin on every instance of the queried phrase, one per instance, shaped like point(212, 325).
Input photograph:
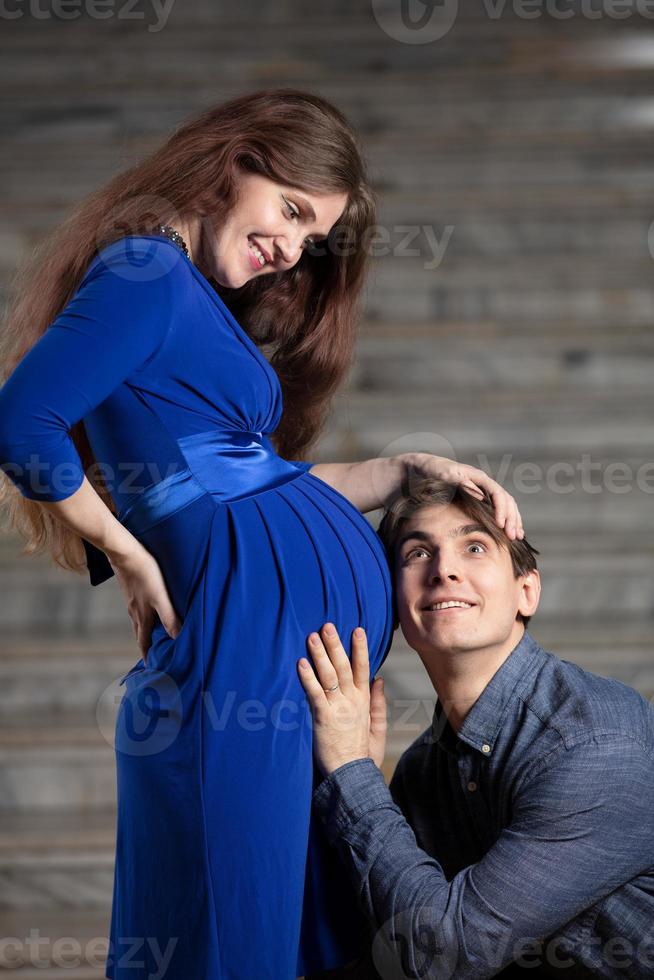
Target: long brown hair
point(307, 314)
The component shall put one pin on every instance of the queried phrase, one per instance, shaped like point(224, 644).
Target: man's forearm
point(372, 483)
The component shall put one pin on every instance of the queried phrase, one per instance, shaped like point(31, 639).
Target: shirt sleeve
point(581, 827)
point(114, 324)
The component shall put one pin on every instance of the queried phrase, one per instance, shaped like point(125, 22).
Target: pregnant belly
point(279, 562)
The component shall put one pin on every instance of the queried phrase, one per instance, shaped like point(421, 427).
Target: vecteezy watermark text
point(426, 21)
point(95, 9)
point(562, 476)
point(414, 944)
point(67, 952)
point(400, 241)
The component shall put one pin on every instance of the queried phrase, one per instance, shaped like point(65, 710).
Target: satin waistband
point(227, 465)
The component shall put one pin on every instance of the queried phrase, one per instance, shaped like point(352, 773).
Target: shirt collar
point(482, 724)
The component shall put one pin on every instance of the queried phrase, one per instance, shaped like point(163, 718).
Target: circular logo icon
point(130, 254)
point(411, 946)
point(415, 21)
point(144, 720)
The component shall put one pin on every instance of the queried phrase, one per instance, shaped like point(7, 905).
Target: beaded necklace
point(169, 232)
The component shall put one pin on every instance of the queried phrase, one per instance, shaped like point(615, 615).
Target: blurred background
point(508, 324)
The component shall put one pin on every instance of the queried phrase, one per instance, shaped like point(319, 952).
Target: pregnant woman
point(140, 422)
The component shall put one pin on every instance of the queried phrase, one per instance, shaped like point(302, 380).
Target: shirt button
point(472, 786)
point(485, 748)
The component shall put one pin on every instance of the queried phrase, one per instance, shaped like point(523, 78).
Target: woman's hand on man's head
point(475, 482)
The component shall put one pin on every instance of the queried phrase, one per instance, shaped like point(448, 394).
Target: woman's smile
point(256, 255)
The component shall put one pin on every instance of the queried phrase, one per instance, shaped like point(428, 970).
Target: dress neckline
point(243, 334)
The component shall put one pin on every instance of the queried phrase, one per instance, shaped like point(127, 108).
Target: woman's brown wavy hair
point(307, 314)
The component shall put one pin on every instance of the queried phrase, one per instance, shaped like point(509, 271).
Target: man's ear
point(529, 593)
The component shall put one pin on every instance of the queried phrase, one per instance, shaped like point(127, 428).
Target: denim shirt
point(527, 838)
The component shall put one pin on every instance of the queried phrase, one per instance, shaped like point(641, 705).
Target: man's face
point(443, 555)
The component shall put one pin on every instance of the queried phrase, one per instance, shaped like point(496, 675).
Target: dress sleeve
point(115, 323)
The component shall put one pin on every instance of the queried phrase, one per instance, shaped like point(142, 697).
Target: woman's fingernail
point(314, 638)
point(330, 629)
point(304, 664)
point(359, 632)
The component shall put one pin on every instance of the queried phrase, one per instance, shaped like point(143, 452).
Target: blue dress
point(222, 872)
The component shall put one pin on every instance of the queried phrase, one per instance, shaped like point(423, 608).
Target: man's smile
point(446, 605)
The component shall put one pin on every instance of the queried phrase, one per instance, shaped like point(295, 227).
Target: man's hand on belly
point(349, 717)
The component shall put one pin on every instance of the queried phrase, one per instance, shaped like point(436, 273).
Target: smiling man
point(518, 830)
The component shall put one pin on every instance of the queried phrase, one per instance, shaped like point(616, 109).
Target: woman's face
point(272, 219)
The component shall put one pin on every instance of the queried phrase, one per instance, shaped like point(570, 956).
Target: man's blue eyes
point(473, 544)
